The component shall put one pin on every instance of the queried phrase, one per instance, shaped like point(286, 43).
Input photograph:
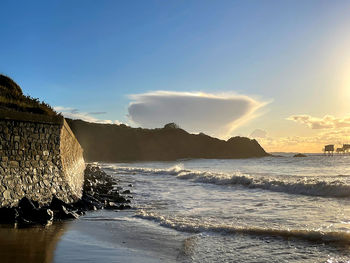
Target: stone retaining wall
point(39, 160)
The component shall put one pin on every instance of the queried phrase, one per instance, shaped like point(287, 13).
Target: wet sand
point(31, 245)
point(100, 236)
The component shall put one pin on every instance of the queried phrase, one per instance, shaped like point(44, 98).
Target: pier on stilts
point(329, 150)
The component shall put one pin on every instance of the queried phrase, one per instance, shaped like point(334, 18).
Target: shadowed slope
point(110, 143)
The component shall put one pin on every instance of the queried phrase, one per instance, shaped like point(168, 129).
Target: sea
point(271, 209)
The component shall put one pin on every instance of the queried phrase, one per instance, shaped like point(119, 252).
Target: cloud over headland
point(214, 114)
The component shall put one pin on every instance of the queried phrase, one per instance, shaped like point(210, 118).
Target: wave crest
point(310, 186)
point(190, 226)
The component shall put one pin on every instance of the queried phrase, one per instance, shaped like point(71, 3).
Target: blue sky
point(292, 57)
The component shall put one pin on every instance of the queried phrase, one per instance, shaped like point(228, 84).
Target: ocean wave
point(295, 185)
point(174, 170)
point(193, 226)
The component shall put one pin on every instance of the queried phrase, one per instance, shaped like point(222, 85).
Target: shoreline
point(187, 221)
point(100, 191)
point(119, 237)
point(105, 233)
point(98, 236)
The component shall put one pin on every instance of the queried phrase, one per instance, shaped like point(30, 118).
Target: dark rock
point(99, 192)
point(100, 189)
point(43, 215)
point(91, 202)
point(26, 213)
point(122, 207)
point(8, 214)
point(56, 204)
point(26, 206)
point(81, 206)
point(68, 214)
point(300, 155)
point(64, 211)
point(30, 213)
point(111, 205)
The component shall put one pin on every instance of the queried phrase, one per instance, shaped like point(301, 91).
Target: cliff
point(112, 143)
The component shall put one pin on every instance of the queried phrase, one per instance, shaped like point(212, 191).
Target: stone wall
point(39, 159)
point(72, 160)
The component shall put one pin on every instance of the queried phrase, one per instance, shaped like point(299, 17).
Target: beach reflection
point(34, 244)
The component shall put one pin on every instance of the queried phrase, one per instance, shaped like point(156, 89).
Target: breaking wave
point(296, 185)
point(192, 226)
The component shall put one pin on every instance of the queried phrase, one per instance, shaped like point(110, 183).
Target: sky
point(276, 71)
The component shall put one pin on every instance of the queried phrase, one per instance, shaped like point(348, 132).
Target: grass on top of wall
point(12, 98)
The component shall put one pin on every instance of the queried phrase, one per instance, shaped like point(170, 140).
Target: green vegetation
point(171, 125)
point(12, 98)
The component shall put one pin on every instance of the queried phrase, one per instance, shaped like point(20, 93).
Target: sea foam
point(298, 185)
point(193, 226)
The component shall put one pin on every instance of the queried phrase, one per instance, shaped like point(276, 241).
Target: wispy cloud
point(73, 113)
point(327, 122)
point(97, 113)
point(258, 133)
point(214, 114)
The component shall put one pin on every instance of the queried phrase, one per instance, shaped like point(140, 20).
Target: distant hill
point(112, 143)
point(12, 99)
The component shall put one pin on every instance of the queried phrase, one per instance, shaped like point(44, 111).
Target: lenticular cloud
point(212, 114)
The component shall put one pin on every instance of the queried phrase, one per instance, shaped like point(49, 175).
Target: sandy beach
point(101, 236)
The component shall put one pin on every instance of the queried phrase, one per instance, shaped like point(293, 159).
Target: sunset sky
point(278, 71)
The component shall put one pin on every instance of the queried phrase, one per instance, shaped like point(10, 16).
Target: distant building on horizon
point(329, 149)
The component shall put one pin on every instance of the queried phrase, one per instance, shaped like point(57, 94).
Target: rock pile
point(100, 191)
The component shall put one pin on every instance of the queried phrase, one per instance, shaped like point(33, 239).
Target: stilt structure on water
point(329, 149)
point(344, 150)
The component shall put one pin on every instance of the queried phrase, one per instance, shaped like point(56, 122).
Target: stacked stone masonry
point(39, 161)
